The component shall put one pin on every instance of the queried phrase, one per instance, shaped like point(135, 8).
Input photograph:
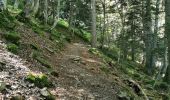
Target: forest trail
point(80, 75)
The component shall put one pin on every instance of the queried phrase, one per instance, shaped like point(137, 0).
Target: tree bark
point(167, 32)
point(148, 38)
point(94, 36)
point(57, 16)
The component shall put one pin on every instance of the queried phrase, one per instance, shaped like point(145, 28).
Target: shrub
point(40, 80)
point(13, 37)
point(13, 48)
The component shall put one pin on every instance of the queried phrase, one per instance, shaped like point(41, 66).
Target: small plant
point(40, 80)
point(13, 37)
point(13, 48)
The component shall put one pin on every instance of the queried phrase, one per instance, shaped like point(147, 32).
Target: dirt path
point(81, 77)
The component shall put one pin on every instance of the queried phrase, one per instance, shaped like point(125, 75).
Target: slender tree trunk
point(94, 36)
point(155, 32)
point(36, 7)
point(57, 16)
point(16, 4)
point(167, 32)
point(149, 38)
point(104, 24)
point(46, 11)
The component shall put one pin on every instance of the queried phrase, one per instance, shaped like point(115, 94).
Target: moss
point(62, 23)
point(13, 48)
point(13, 37)
point(40, 80)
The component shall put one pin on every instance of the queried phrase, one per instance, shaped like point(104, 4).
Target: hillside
point(39, 64)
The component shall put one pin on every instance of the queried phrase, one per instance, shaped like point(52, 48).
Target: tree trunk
point(57, 16)
point(148, 38)
point(16, 3)
point(46, 11)
point(36, 7)
point(94, 36)
point(155, 32)
point(167, 32)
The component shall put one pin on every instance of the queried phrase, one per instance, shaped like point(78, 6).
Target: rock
point(2, 86)
point(32, 98)
point(44, 92)
point(18, 97)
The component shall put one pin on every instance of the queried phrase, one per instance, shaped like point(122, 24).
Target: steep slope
point(13, 72)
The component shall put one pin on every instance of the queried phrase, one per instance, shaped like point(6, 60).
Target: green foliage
point(7, 21)
point(94, 51)
point(162, 86)
point(63, 23)
point(86, 36)
point(112, 53)
point(13, 37)
point(13, 11)
point(13, 48)
point(40, 80)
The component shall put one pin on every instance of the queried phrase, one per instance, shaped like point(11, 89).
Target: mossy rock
point(13, 37)
point(18, 97)
point(13, 48)
point(2, 86)
point(46, 94)
point(40, 80)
